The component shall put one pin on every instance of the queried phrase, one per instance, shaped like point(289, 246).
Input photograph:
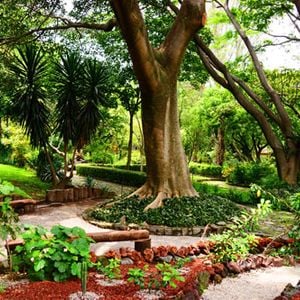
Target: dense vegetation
point(184, 211)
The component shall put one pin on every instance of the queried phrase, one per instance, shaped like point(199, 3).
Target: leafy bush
point(101, 157)
point(237, 241)
point(247, 172)
point(56, 256)
point(205, 169)
point(184, 211)
point(126, 177)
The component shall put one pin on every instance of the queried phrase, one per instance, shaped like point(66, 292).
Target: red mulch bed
point(61, 290)
point(184, 290)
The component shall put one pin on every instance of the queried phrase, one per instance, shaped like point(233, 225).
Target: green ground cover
point(184, 211)
point(24, 179)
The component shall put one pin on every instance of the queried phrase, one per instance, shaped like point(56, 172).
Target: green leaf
point(39, 265)
point(75, 269)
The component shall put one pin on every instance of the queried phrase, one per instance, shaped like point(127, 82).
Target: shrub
point(184, 211)
point(99, 156)
point(52, 257)
point(205, 169)
point(244, 173)
point(236, 242)
point(125, 177)
point(164, 275)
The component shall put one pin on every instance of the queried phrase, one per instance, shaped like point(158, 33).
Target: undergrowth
point(184, 211)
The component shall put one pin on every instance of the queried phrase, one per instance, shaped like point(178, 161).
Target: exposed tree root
point(158, 201)
point(143, 192)
point(147, 191)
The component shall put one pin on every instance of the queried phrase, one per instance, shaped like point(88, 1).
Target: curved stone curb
point(161, 229)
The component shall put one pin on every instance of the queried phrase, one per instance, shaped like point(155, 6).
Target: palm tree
point(29, 106)
point(68, 77)
point(80, 88)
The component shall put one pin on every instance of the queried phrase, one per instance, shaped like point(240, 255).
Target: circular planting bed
point(177, 216)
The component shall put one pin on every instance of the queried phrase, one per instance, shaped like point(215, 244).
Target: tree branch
point(134, 31)
point(190, 18)
point(290, 38)
point(105, 27)
point(290, 15)
point(223, 69)
point(274, 97)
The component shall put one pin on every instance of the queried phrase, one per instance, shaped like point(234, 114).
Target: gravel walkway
point(262, 284)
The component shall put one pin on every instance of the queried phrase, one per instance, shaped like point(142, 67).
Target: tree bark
point(157, 71)
point(288, 165)
point(167, 171)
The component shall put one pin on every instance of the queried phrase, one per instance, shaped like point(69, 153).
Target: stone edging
point(160, 229)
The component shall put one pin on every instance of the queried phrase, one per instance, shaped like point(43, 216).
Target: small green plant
point(181, 262)
point(138, 276)
point(165, 275)
point(262, 194)
point(83, 277)
point(109, 268)
point(237, 241)
point(52, 256)
point(169, 275)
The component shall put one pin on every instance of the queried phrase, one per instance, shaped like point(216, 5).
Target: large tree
point(267, 108)
point(157, 71)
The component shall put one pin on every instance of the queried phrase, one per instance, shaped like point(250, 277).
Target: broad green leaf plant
point(56, 255)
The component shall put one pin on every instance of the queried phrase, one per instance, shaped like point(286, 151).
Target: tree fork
point(157, 71)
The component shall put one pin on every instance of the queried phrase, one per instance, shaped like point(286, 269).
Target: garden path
point(262, 284)
point(69, 215)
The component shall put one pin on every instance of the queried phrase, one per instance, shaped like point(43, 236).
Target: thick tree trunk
point(289, 169)
point(157, 71)
point(129, 148)
point(167, 171)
